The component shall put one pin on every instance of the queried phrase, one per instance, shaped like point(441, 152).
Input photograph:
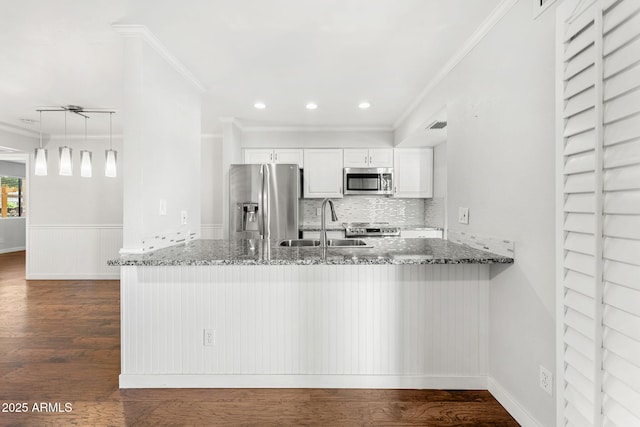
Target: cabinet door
point(322, 173)
point(381, 157)
point(289, 155)
point(356, 158)
point(258, 155)
point(413, 172)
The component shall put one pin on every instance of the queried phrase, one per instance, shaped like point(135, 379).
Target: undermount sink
point(334, 243)
point(299, 242)
point(346, 242)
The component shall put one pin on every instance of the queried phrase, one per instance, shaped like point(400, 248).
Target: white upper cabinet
point(277, 155)
point(323, 173)
point(258, 155)
point(413, 172)
point(368, 157)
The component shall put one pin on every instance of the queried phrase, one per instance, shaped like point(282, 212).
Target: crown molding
point(131, 30)
point(76, 137)
point(316, 129)
point(496, 15)
point(19, 131)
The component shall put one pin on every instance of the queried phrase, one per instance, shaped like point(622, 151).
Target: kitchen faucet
point(334, 217)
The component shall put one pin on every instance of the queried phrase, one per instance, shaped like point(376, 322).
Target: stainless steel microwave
point(373, 181)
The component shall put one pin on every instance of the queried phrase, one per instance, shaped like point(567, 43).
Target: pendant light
point(40, 161)
point(85, 156)
point(110, 169)
point(66, 167)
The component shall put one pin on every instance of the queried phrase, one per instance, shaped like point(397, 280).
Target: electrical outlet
point(463, 215)
point(546, 380)
point(183, 217)
point(163, 207)
point(209, 337)
point(318, 211)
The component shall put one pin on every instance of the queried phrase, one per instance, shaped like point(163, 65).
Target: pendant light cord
point(110, 130)
point(40, 129)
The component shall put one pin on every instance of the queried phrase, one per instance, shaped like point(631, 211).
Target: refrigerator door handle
point(266, 208)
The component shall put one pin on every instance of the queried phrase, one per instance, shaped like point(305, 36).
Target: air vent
point(437, 125)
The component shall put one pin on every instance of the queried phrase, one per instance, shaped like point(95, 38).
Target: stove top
point(370, 229)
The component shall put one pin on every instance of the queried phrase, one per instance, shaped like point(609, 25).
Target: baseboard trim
point(303, 381)
point(87, 276)
point(511, 404)
point(16, 249)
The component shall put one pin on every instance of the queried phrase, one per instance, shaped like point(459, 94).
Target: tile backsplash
point(434, 212)
point(374, 209)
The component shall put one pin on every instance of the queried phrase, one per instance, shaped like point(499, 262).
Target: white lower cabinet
point(413, 172)
point(322, 173)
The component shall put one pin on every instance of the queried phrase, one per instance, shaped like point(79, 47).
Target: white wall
point(75, 223)
point(162, 122)
point(55, 199)
point(211, 182)
point(12, 234)
point(15, 139)
point(500, 151)
point(316, 138)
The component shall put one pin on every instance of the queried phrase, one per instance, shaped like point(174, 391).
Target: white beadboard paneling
point(396, 322)
point(74, 251)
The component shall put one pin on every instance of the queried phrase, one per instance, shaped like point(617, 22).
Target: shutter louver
point(580, 231)
point(621, 216)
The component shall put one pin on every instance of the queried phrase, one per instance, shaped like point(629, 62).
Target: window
point(12, 199)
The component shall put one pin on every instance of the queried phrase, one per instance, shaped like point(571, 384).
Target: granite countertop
point(419, 227)
point(264, 252)
point(332, 227)
point(317, 227)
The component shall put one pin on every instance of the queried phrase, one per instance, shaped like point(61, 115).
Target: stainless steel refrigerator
point(263, 201)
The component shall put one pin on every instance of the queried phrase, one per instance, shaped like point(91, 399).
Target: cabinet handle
point(271, 157)
point(370, 161)
point(395, 189)
point(276, 157)
point(365, 159)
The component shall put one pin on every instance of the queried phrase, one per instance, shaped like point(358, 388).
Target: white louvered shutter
point(580, 227)
point(599, 380)
point(621, 220)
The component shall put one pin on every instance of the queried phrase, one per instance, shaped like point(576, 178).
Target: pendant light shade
point(40, 158)
point(40, 162)
point(110, 169)
point(66, 168)
point(85, 164)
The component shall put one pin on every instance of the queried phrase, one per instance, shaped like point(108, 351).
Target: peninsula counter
point(406, 313)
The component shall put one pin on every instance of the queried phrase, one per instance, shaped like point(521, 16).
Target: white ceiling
point(282, 52)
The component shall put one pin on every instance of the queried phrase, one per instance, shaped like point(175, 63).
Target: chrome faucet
point(334, 217)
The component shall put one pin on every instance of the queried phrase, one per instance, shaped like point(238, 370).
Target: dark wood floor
point(60, 343)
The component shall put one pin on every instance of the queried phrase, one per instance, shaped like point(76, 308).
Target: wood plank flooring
point(60, 343)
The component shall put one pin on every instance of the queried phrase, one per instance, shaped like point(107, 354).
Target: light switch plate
point(463, 215)
point(183, 217)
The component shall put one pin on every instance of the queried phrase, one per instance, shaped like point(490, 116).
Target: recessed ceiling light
point(311, 106)
point(364, 105)
point(260, 105)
